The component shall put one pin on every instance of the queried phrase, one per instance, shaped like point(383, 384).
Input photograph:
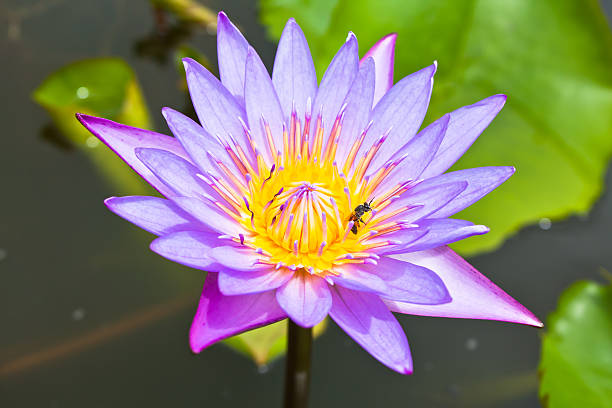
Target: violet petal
point(190, 248)
point(237, 259)
point(205, 210)
point(242, 283)
point(480, 182)
point(123, 140)
point(219, 316)
point(231, 54)
point(305, 298)
point(474, 296)
point(466, 124)
point(334, 87)
point(400, 113)
point(383, 53)
point(294, 76)
point(176, 173)
point(217, 109)
point(426, 198)
point(407, 282)
point(353, 277)
point(357, 114)
point(442, 232)
point(415, 155)
point(195, 140)
point(262, 103)
point(156, 215)
point(365, 318)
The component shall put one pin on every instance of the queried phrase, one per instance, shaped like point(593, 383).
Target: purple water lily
point(304, 200)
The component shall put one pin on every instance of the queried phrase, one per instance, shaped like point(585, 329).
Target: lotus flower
point(304, 200)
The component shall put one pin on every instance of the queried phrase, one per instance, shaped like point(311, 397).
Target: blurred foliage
point(190, 11)
point(576, 365)
point(266, 343)
point(552, 58)
point(160, 45)
point(105, 87)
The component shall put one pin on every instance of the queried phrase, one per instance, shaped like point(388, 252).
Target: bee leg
point(355, 225)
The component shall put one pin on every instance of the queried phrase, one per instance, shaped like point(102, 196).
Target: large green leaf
point(551, 57)
point(104, 87)
point(576, 366)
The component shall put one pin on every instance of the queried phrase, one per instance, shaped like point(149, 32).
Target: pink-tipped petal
point(242, 283)
point(367, 320)
point(474, 296)
point(190, 248)
point(262, 105)
point(153, 214)
point(383, 53)
point(305, 298)
point(335, 85)
point(231, 53)
point(294, 76)
point(123, 140)
point(466, 124)
point(219, 316)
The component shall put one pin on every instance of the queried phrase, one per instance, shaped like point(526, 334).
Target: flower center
point(301, 215)
point(303, 212)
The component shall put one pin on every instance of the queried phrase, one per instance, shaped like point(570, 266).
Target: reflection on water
point(90, 317)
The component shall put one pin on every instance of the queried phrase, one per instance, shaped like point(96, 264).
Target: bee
point(358, 212)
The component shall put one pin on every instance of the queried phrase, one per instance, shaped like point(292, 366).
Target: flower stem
point(297, 374)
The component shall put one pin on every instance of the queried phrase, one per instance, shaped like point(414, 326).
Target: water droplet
point(262, 369)
point(471, 344)
point(92, 142)
point(545, 223)
point(82, 92)
point(78, 314)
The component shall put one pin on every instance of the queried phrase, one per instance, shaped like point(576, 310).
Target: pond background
point(90, 317)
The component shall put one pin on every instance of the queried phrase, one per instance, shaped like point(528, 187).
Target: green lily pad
point(551, 57)
point(266, 343)
point(576, 365)
point(105, 87)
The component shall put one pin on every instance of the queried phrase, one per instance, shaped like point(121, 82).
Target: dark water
point(80, 294)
